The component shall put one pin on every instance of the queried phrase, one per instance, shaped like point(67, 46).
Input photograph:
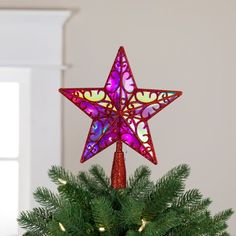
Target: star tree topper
point(120, 111)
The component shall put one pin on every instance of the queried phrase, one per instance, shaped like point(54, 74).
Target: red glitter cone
point(118, 174)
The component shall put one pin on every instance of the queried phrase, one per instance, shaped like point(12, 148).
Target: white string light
point(101, 229)
point(61, 226)
point(62, 181)
point(144, 222)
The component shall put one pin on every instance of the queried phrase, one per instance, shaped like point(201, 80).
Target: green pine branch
point(35, 221)
point(140, 186)
point(100, 177)
point(47, 199)
point(166, 190)
point(88, 183)
point(103, 214)
point(190, 198)
point(131, 212)
point(162, 225)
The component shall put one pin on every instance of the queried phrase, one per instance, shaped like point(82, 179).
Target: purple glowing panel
point(120, 110)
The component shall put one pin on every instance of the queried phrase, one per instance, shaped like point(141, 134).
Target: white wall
point(185, 45)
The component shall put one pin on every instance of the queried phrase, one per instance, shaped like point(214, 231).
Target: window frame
point(33, 40)
point(21, 76)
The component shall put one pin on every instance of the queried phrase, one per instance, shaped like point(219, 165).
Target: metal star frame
point(120, 111)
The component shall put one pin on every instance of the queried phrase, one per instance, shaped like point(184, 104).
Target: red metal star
point(120, 111)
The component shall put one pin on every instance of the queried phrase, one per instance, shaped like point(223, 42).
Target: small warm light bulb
point(144, 222)
point(101, 229)
point(61, 226)
point(62, 181)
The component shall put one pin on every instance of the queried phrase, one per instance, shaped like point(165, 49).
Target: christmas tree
point(91, 203)
point(87, 204)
